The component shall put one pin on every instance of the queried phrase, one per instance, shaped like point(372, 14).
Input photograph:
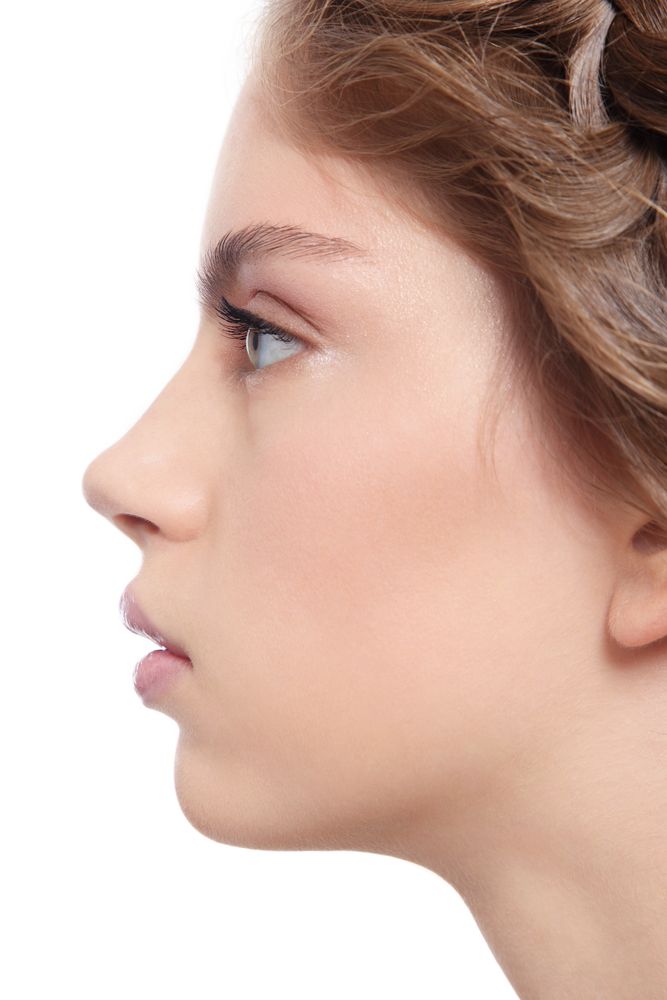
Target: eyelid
point(240, 320)
point(235, 315)
point(292, 316)
point(236, 323)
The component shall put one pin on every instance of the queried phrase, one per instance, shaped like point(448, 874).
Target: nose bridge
point(155, 472)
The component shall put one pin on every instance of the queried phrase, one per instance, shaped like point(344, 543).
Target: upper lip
point(136, 621)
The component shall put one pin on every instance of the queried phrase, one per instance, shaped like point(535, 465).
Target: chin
point(230, 803)
point(224, 801)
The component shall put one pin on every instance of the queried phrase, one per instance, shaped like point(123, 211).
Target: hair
point(534, 132)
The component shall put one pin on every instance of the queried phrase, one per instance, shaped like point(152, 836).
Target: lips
point(136, 621)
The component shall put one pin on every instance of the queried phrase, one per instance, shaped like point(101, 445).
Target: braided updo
point(535, 133)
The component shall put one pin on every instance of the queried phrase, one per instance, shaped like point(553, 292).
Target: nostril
point(134, 526)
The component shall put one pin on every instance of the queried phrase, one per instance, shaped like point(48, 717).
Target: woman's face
point(384, 622)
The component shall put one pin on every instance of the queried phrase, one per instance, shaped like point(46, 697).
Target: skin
point(400, 643)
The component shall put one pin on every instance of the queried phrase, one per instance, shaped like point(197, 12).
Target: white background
point(112, 115)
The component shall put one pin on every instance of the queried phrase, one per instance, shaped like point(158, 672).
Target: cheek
point(368, 577)
point(348, 551)
point(356, 507)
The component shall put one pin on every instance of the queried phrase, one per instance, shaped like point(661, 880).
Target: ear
point(638, 609)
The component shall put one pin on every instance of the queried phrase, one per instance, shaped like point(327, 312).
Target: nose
point(153, 479)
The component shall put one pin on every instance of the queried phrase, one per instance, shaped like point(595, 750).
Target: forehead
point(260, 177)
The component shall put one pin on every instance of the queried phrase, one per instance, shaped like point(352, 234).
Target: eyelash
point(238, 321)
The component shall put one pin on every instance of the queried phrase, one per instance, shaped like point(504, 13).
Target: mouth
point(135, 619)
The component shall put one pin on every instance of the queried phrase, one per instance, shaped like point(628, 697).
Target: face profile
point(362, 584)
point(404, 630)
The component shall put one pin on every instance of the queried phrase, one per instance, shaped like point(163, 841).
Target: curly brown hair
point(535, 133)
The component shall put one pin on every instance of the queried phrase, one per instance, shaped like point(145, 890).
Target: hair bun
point(635, 63)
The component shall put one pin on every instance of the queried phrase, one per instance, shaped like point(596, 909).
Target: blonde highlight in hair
point(535, 133)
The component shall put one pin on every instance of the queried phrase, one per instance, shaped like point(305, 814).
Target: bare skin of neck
point(565, 871)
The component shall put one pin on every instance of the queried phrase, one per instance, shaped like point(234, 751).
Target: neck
point(565, 872)
point(578, 908)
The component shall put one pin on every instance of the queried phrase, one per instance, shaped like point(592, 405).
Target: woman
point(403, 509)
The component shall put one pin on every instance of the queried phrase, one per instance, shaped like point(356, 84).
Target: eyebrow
point(221, 262)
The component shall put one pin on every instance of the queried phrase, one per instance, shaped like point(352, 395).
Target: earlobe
point(638, 609)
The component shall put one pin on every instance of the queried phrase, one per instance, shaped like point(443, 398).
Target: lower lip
point(155, 672)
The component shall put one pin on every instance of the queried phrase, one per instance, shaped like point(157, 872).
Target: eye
point(263, 342)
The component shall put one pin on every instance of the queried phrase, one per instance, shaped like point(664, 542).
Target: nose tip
point(89, 488)
point(100, 499)
point(92, 489)
point(154, 477)
point(143, 491)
